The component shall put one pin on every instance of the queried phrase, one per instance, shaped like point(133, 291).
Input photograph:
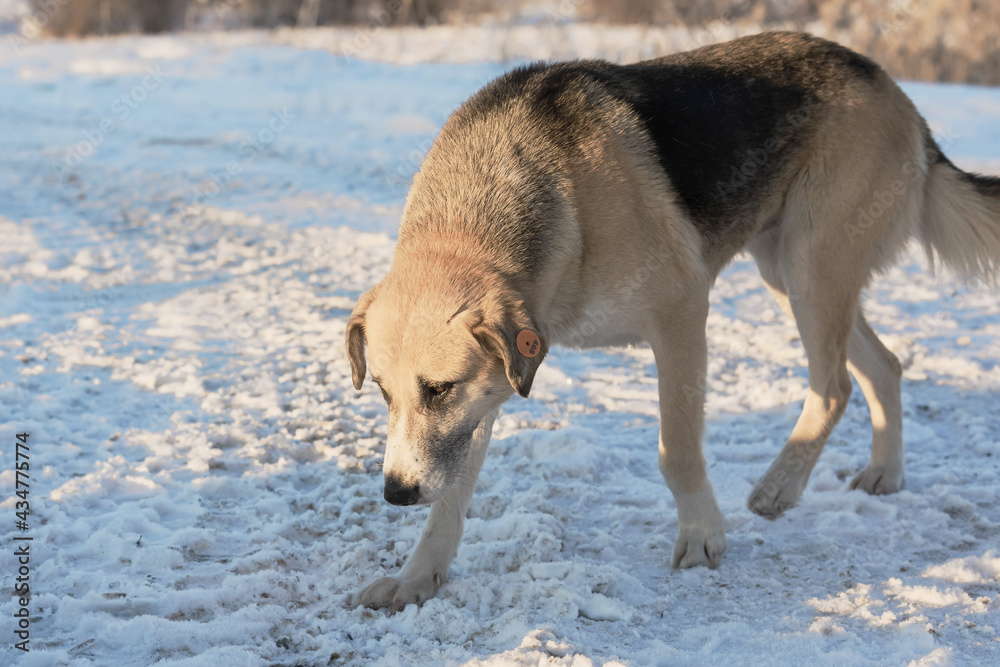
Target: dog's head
point(444, 362)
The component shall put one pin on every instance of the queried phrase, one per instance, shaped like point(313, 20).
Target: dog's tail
point(961, 221)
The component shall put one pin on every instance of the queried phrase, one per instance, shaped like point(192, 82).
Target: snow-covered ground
point(185, 224)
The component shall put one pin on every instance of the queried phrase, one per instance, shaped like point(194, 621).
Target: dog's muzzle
point(398, 493)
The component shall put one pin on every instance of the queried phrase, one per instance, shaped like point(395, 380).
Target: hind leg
point(878, 372)
point(847, 213)
point(823, 300)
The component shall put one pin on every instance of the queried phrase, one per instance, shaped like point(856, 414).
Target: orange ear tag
point(528, 343)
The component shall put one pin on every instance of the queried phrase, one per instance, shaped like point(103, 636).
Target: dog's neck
point(459, 277)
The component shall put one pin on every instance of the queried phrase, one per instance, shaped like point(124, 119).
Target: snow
point(174, 289)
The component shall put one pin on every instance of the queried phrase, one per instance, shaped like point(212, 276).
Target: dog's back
point(725, 123)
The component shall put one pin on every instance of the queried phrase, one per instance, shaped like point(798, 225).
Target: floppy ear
point(356, 337)
point(498, 333)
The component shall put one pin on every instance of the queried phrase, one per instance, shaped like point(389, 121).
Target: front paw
point(778, 490)
point(394, 594)
point(700, 545)
point(879, 480)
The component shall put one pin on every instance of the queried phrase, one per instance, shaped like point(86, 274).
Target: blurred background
point(930, 40)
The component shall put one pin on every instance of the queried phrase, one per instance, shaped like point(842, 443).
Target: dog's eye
point(385, 395)
point(435, 392)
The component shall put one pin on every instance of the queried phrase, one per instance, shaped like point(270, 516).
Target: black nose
point(398, 493)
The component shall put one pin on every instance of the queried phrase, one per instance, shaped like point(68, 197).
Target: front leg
point(681, 354)
point(427, 566)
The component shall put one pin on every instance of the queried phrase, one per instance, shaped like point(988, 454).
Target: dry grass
point(933, 40)
point(77, 18)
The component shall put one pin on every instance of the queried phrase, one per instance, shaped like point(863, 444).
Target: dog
point(591, 204)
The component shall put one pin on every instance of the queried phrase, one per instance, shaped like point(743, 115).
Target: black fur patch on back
point(719, 137)
point(724, 120)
